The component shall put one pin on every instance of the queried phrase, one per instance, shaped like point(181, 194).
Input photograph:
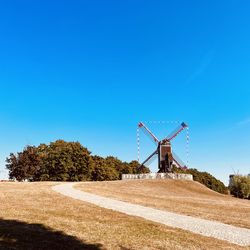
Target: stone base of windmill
point(174, 176)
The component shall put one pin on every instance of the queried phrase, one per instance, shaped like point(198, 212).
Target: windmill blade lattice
point(151, 158)
point(149, 133)
point(178, 161)
point(177, 131)
point(164, 149)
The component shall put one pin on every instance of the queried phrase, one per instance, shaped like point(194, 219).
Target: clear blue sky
point(90, 70)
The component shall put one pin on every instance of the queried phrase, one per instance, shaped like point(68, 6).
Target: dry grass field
point(185, 197)
point(32, 216)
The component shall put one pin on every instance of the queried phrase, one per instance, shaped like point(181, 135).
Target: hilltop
point(185, 197)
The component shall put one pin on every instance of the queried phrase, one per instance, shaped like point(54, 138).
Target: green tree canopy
point(66, 161)
point(103, 170)
point(204, 178)
point(24, 165)
point(240, 186)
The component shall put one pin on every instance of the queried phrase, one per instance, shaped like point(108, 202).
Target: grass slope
point(32, 216)
point(185, 197)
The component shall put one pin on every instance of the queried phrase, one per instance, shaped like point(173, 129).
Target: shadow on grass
point(20, 235)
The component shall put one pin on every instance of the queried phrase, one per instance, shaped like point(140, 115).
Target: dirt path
point(232, 234)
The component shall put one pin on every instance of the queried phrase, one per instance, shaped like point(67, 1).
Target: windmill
point(166, 157)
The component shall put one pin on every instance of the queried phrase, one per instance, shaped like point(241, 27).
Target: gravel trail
point(232, 234)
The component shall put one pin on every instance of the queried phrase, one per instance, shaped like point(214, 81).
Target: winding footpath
point(218, 230)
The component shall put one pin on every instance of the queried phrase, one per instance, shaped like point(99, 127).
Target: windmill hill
point(70, 161)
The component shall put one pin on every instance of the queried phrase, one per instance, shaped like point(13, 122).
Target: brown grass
point(185, 197)
point(32, 216)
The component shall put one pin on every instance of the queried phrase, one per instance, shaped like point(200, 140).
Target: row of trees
point(206, 179)
point(66, 161)
point(70, 161)
point(240, 186)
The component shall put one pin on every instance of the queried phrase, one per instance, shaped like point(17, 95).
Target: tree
point(24, 165)
point(115, 163)
point(65, 161)
point(136, 168)
point(204, 178)
point(240, 186)
point(104, 170)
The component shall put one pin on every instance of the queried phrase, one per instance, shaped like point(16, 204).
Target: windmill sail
point(178, 161)
point(148, 133)
point(150, 159)
point(175, 132)
point(164, 150)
